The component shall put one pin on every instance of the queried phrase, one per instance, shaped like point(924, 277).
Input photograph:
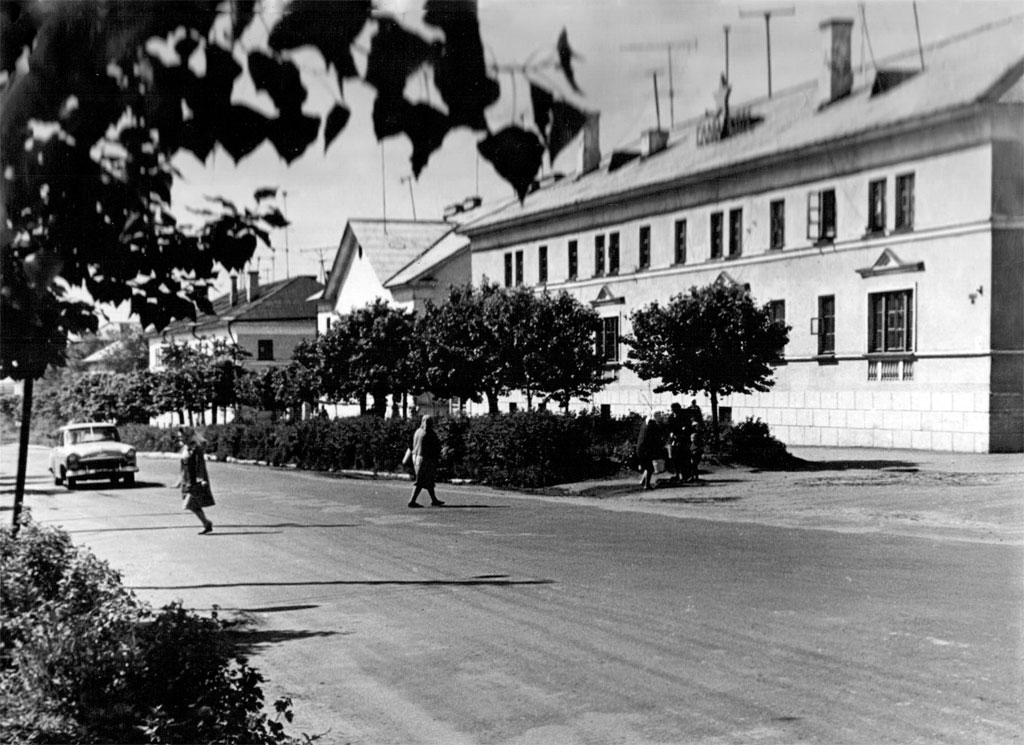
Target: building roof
point(982, 65)
point(420, 267)
point(284, 300)
point(390, 245)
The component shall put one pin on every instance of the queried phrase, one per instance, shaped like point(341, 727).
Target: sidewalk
point(949, 496)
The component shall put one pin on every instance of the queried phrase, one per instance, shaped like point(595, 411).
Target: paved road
point(512, 619)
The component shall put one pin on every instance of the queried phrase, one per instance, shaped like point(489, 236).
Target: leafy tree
point(273, 389)
point(197, 378)
point(712, 339)
point(458, 352)
point(563, 361)
point(380, 340)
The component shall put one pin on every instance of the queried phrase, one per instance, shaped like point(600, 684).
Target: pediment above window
point(890, 263)
point(607, 297)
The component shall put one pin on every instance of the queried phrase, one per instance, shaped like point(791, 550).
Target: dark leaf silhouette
point(331, 27)
point(242, 11)
point(516, 155)
point(565, 57)
point(265, 192)
point(336, 121)
point(280, 79)
point(17, 29)
point(240, 130)
point(275, 219)
point(541, 101)
point(389, 116)
point(291, 134)
point(460, 74)
point(566, 122)
point(426, 128)
point(394, 55)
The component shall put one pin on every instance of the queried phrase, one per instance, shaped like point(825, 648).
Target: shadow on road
point(471, 582)
point(693, 500)
point(799, 464)
point(219, 529)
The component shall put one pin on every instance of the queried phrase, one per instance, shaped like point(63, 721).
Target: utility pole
point(668, 46)
point(768, 32)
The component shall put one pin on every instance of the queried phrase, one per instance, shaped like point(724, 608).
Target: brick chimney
point(836, 76)
point(233, 296)
point(254, 287)
point(590, 147)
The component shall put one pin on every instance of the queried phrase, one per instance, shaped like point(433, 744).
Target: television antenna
point(768, 13)
point(668, 46)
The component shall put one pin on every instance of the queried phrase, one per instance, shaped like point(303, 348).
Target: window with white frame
point(574, 259)
point(519, 268)
point(826, 326)
point(542, 265)
point(613, 253)
point(736, 232)
point(265, 350)
point(891, 321)
point(598, 255)
point(717, 228)
point(508, 270)
point(608, 339)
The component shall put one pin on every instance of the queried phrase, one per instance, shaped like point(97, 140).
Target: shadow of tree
point(470, 582)
point(801, 465)
point(244, 640)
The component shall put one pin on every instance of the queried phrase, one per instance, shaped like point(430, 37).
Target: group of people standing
point(678, 441)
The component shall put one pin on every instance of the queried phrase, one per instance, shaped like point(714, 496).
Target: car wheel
point(72, 483)
point(129, 479)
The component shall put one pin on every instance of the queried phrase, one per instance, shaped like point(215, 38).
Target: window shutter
point(814, 215)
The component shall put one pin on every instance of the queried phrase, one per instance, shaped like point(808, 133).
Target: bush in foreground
point(83, 660)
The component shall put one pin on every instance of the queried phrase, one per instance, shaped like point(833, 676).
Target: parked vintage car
point(91, 450)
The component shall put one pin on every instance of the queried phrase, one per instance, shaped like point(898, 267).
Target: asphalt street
point(510, 618)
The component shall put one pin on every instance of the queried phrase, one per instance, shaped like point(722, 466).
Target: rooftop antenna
point(321, 259)
point(768, 13)
point(917, 25)
point(412, 196)
point(284, 195)
point(668, 46)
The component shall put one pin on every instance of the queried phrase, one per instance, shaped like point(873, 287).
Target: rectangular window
point(680, 242)
point(645, 246)
point(735, 232)
point(716, 235)
point(598, 255)
point(608, 339)
point(890, 321)
point(876, 206)
point(777, 220)
point(821, 215)
point(265, 350)
point(508, 270)
point(777, 313)
point(542, 265)
point(827, 324)
point(519, 268)
point(574, 259)
point(613, 253)
point(905, 201)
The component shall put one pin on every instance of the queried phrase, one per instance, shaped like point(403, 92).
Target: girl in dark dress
point(426, 452)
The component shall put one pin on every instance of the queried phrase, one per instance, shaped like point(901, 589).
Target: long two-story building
point(880, 215)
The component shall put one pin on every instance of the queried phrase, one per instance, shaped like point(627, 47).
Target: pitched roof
point(980, 65)
point(390, 245)
point(446, 248)
point(284, 300)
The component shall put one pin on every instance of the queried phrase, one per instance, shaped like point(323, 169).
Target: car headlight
point(73, 460)
point(129, 458)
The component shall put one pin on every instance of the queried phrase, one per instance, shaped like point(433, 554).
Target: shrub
point(83, 660)
point(750, 442)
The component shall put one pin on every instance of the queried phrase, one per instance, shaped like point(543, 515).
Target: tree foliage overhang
point(97, 96)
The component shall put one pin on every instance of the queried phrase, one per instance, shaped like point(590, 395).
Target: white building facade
point(882, 218)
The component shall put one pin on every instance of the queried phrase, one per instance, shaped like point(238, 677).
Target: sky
point(622, 45)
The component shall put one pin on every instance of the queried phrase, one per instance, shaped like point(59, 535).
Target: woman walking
point(649, 447)
point(426, 451)
point(194, 481)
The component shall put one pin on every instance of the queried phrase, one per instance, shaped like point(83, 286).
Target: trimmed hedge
point(527, 449)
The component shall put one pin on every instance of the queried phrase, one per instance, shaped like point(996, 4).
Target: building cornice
point(946, 132)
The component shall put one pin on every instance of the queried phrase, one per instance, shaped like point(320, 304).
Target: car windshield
point(92, 434)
